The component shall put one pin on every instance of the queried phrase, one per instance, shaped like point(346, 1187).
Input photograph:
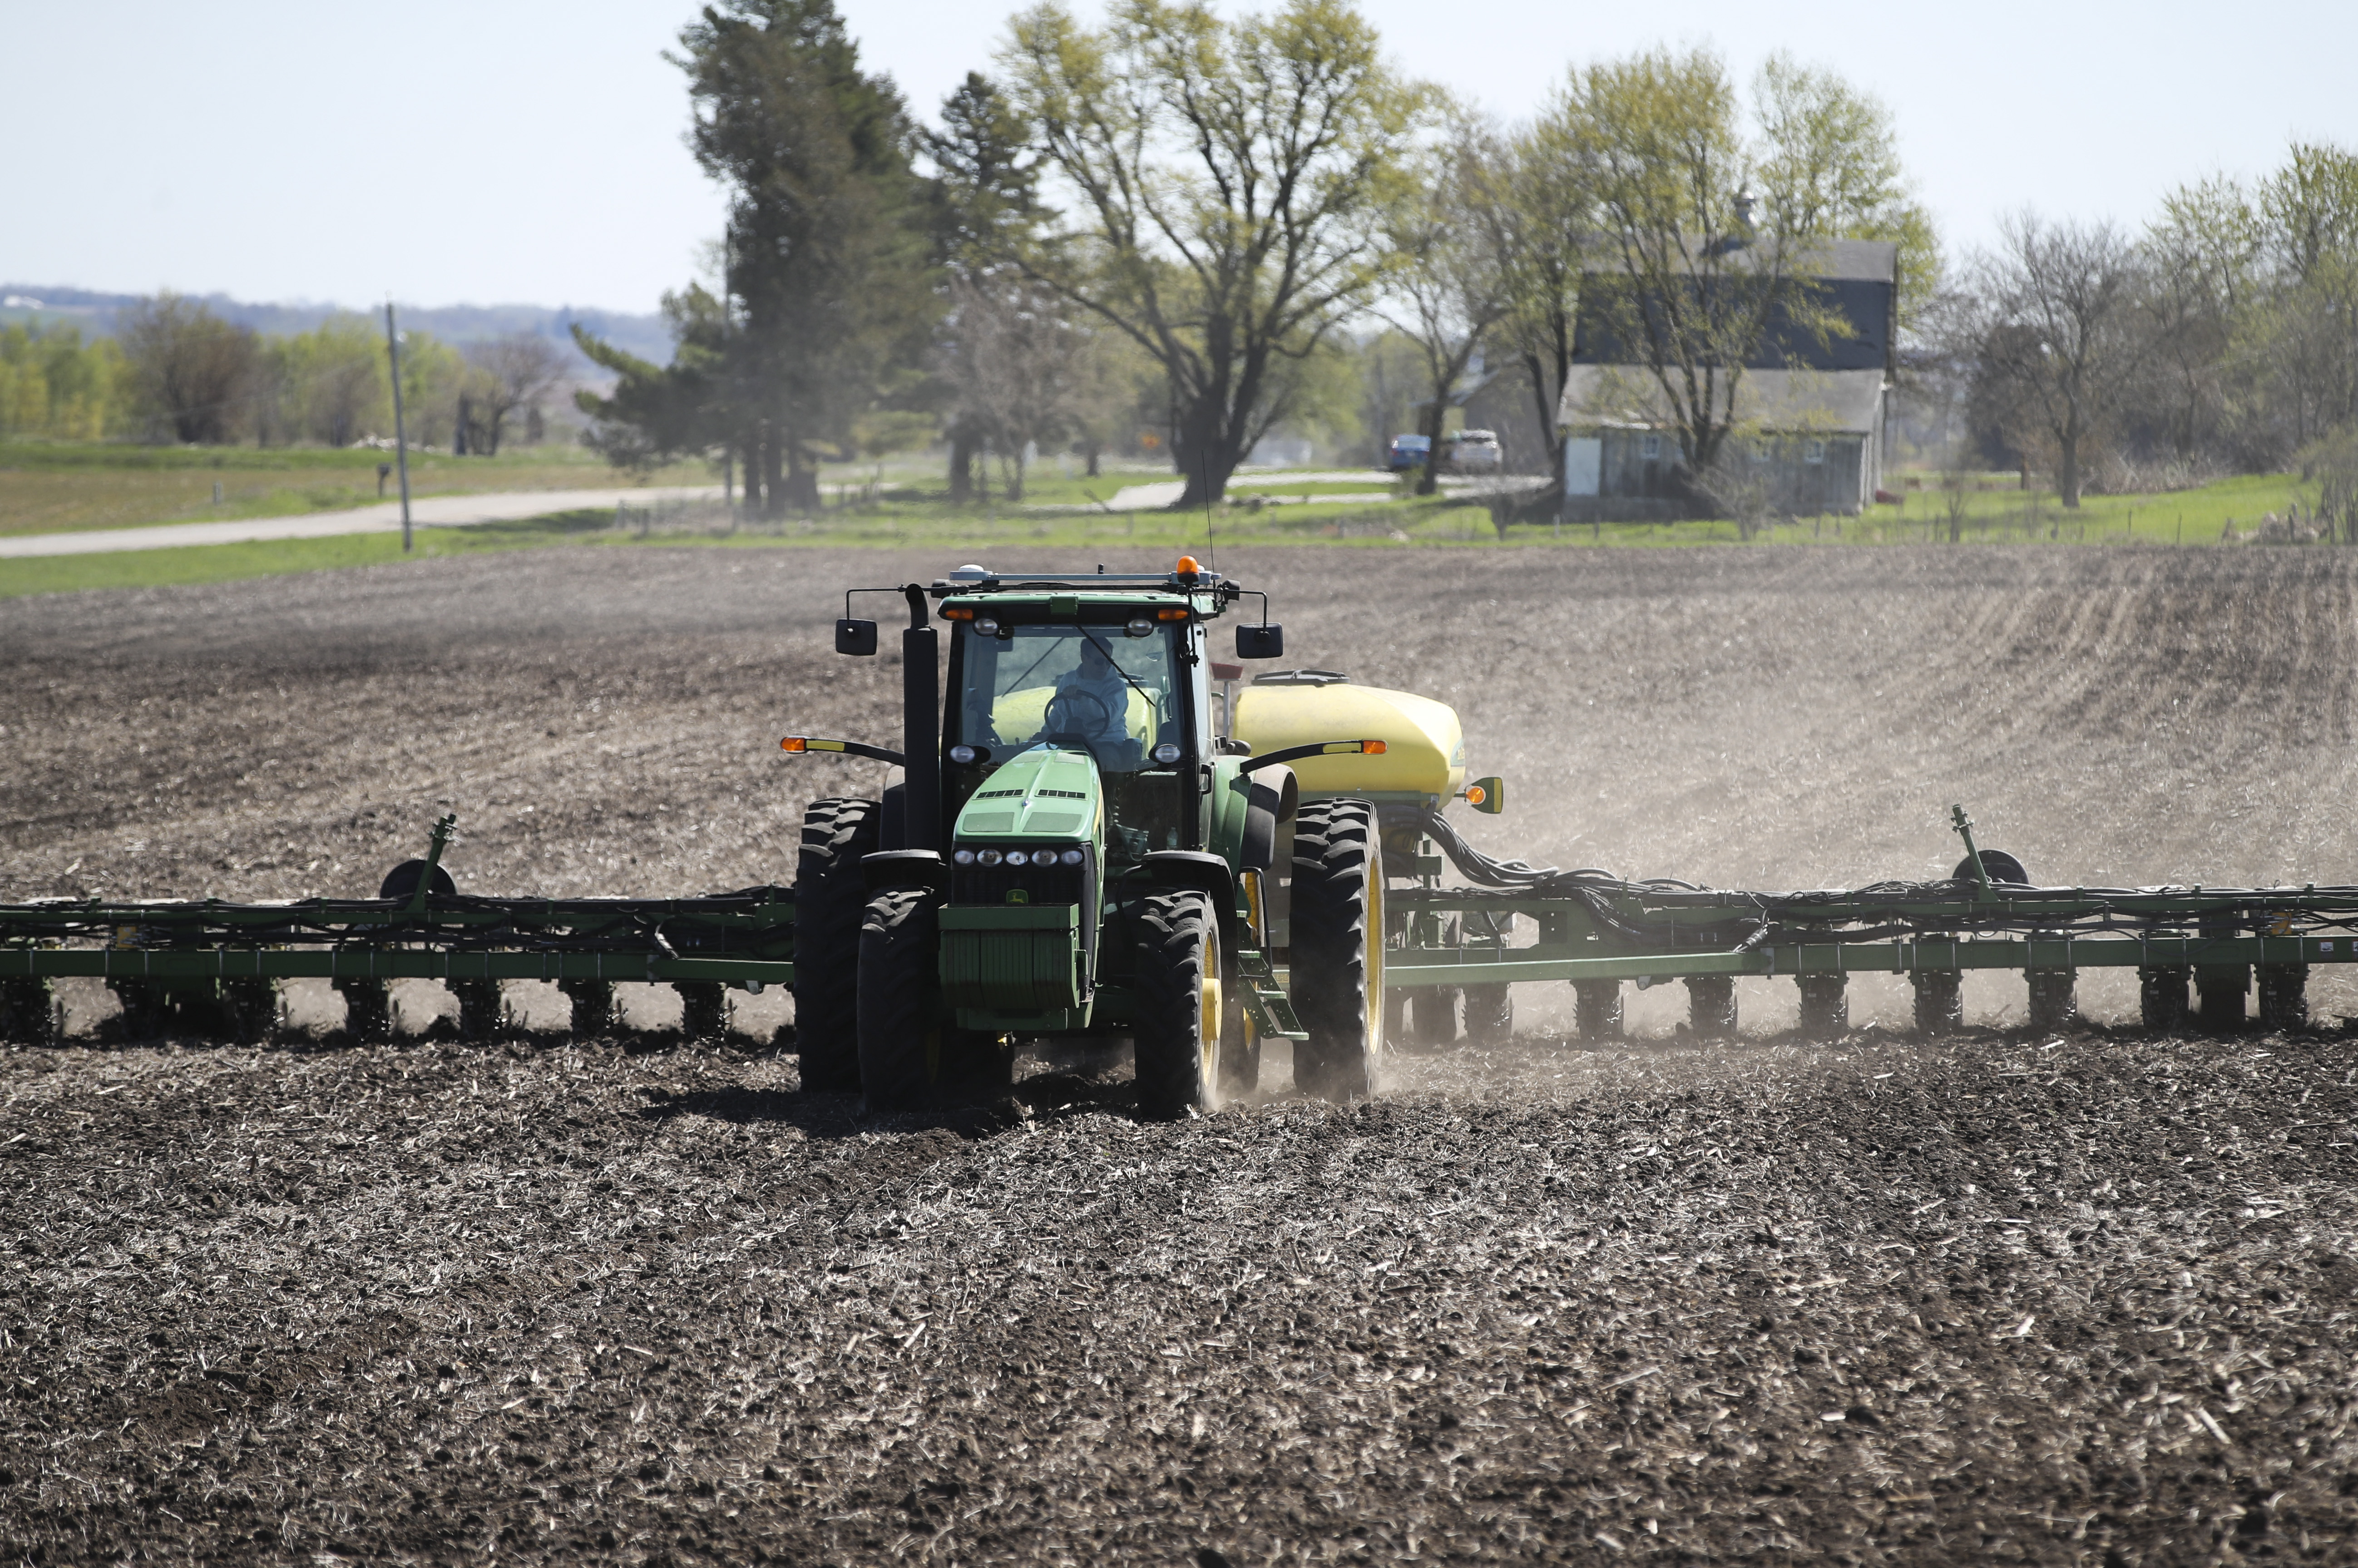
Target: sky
point(530, 151)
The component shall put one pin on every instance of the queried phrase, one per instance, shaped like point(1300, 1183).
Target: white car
point(1473, 451)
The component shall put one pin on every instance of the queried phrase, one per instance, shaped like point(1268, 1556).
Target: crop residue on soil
point(2086, 1299)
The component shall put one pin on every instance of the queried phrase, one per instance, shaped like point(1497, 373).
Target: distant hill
point(648, 337)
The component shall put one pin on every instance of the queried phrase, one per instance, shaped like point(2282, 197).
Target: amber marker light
point(1171, 614)
point(957, 613)
point(1476, 795)
point(1187, 567)
point(792, 743)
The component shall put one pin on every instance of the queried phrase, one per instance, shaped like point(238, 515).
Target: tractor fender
point(1252, 815)
point(1207, 873)
point(891, 871)
point(1268, 807)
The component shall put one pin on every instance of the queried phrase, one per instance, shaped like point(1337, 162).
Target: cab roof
point(978, 585)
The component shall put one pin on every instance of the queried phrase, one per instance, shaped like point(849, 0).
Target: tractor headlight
point(989, 856)
point(962, 754)
point(964, 857)
point(1166, 753)
point(984, 626)
point(1018, 857)
point(1137, 626)
point(1071, 857)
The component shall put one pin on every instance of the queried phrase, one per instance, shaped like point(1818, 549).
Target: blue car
point(1407, 452)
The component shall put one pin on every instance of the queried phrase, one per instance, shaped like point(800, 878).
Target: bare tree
point(512, 373)
point(2055, 333)
point(1016, 364)
point(193, 370)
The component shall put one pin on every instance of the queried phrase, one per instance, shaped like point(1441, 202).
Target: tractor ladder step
point(1265, 1000)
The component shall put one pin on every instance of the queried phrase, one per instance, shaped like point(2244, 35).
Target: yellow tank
point(1424, 745)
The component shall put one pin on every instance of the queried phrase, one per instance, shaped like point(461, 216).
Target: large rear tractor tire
point(900, 1030)
point(1181, 1005)
point(1336, 954)
point(830, 903)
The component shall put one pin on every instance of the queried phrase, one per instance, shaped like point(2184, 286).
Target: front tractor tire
point(1182, 1006)
point(830, 903)
point(899, 1028)
point(1337, 949)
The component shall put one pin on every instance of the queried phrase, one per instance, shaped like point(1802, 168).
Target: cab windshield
point(1087, 685)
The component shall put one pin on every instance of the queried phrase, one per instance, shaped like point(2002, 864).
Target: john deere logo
point(1017, 895)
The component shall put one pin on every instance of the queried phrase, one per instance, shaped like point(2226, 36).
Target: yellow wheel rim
point(1207, 1021)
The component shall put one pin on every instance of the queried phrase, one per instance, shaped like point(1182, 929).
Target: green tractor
point(1078, 850)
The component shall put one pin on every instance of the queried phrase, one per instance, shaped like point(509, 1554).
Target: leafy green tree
point(2306, 337)
point(54, 384)
point(1231, 180)
point(2201, 264)
point(692, 407)
point(826, 265)
point(332, 384)
point(193, 374)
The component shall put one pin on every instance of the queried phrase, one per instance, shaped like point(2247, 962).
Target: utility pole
point(400, 431)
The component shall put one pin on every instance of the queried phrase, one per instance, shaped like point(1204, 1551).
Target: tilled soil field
point(2014, 1298)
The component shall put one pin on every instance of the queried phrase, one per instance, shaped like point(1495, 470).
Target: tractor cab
point(1046, 681)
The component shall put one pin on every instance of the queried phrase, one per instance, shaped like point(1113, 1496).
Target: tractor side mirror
point(1487, 796)
point(855, 636)
point(1260, 642)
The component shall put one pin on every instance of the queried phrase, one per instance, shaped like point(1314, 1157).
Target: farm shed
point(1811, 402)
point(1813, 438)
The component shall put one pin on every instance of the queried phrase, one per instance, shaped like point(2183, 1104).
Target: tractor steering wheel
point(1061, 722)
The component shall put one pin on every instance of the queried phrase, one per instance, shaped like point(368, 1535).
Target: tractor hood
point(1046, 791)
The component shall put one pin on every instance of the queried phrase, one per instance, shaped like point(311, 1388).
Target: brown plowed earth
point(2014, 1298)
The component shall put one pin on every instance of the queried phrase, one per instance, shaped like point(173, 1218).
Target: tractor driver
point(1092, 705)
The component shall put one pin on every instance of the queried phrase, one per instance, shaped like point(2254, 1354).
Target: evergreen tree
point(826, 273)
